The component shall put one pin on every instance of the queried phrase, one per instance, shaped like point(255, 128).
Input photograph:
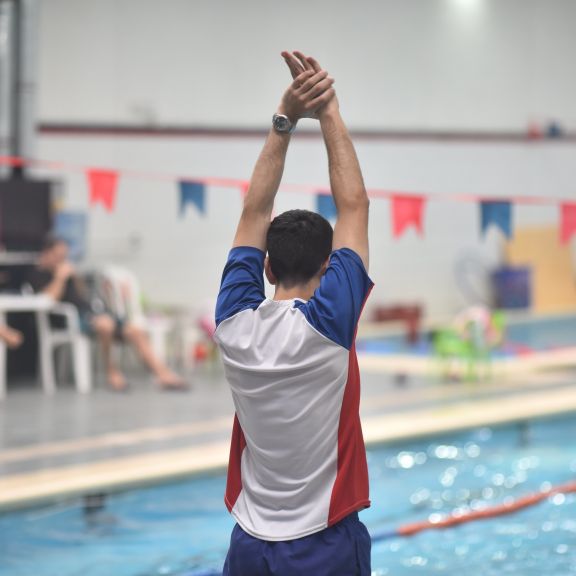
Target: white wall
point(407, 64)
point(180, 260)
point(456, 64)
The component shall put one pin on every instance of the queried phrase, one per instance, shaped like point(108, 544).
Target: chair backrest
point(124, 295)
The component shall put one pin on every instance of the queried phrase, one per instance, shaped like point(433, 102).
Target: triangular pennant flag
point(103, 187)
point(567, 222)
point(71, 226)
point(497, 213)
point(407, 211)
point(192, 193)
point(326, 207)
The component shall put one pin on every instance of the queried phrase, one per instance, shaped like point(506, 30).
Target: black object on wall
point(25, 221)
point(25, 214)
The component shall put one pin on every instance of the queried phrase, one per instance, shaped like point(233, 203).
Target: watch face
point(281, 123)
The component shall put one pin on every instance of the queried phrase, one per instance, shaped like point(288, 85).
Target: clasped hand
point(311, 90)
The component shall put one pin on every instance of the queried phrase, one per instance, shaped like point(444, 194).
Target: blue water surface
point(182, 528)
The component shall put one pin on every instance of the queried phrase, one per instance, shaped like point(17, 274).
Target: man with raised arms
point(297, 473)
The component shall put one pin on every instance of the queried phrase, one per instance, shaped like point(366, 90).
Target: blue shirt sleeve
point(242, 285)
point(335, 308)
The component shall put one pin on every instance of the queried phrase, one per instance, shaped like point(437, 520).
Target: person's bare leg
point(104, 327)
point(11, 337)
point(138, 339)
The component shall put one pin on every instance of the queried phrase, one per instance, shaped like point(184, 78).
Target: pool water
point(521, 337)
point(182, 528)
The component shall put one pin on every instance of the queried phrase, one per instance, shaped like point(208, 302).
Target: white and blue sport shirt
point(297, 457)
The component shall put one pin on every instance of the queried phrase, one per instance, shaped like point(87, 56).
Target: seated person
point(12, 338)
point(55, 276)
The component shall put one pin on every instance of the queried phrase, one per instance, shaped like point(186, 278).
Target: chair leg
point(158, 343)
point(2, 371)
point(81, 359)
point(47, 368)
point(62, 362)
point(3, 374)
point(45, 354)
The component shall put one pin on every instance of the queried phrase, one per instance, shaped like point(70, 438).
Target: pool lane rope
point(455, 519)
point(461, 518)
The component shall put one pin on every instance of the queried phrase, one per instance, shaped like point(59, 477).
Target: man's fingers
point(301, 79)
point(293, 70)
point(319, 88)
point(324, 98)
point(314, 63)
point(311, 88)
point(293, 63)
point(312, 80)
point(303, 61)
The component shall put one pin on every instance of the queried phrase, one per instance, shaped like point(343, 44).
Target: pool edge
point(25, 490)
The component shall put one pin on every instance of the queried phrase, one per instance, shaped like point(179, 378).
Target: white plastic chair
point(123, 294)
point(124, 299)
point(50, 339)
point(2, 370)
point(194, 329)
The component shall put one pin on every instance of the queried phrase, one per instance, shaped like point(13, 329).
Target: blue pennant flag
point(325, 206)
point(72, 226)
point(192, 193)
point(498, 214)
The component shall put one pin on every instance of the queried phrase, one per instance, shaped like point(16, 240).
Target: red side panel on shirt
point(350, 492)
point(234, 481)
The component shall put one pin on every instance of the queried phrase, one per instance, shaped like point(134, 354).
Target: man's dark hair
point(52, 241)
point(298, 243)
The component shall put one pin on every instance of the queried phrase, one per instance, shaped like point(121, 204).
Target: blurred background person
point(55, 276)
point(12, 338)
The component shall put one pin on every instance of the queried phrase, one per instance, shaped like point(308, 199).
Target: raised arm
point(346, 182)
point(55, 289)
point(309, 91)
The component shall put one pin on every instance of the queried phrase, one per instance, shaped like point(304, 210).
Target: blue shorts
point(340, 550)
point(87, 318)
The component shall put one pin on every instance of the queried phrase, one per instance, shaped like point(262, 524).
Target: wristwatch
point(282, 124)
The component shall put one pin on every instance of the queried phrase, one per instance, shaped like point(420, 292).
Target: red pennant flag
point(103, 187)
point(567, 222)
point(407, 211)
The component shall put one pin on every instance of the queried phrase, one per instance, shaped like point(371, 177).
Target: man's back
point(297, 475)
point(297, 462)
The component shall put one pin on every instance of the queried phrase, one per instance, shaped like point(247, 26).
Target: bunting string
point(408, 207)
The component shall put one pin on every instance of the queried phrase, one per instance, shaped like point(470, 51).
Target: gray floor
point(29, 419)
point(28, 416)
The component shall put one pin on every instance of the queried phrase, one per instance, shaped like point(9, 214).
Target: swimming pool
point(182, 528)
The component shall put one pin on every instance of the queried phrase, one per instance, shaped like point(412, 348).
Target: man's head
point(299, 244)
point(54, 252)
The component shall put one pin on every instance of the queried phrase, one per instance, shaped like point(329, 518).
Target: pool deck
point(60, 447)
point(500, 368)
